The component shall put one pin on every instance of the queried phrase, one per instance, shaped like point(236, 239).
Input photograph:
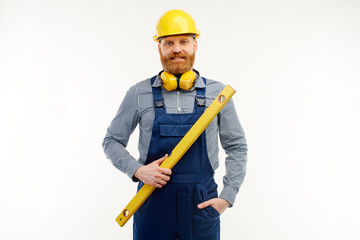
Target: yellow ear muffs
point(170, 82)
point(187, 80)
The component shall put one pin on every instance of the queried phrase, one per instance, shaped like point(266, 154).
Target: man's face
point(177, 53)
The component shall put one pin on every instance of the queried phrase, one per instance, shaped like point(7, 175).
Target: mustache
point(177, 55)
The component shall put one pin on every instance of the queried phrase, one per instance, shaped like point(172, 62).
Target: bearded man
point(185, 204)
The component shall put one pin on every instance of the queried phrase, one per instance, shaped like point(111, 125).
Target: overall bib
point(171, 212)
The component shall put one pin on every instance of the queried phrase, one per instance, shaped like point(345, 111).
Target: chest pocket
point(174, 130)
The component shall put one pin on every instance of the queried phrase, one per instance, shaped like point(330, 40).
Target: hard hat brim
point(158, 38)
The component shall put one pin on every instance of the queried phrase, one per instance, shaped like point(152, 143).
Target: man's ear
point(159, 48)
point(195, 45)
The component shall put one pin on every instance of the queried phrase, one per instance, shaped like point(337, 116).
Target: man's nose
point(177, 48)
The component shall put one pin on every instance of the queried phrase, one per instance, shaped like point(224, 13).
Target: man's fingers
point(162, 182)
point(204, 204)
point(165, 178)
point(158, 183)
point(162, 179)
point(166, 171)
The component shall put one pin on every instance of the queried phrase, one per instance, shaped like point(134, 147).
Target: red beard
point(177, 67)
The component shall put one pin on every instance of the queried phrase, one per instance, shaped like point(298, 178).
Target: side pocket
point(213, 211)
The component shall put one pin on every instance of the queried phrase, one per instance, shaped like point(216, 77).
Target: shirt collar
point(199, 82)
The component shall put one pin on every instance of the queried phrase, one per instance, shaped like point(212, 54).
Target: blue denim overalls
point(171, 212)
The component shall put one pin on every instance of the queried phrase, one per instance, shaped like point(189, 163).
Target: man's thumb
point(160, 160)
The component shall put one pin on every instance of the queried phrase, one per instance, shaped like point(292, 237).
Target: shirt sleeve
point(118, 134)
point(232, 138)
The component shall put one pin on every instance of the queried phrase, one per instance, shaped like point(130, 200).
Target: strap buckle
point(200, 101)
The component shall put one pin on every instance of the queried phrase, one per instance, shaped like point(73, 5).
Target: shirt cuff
point(132, 168)
point(229, 194)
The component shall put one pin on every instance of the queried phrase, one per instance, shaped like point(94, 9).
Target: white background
point(66, 65)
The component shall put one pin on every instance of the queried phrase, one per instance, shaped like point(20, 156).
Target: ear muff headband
point(170, 82)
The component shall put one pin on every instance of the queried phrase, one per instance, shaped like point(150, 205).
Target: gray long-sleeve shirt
point(137, 108)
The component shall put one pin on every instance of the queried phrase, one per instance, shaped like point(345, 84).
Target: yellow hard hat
point(175, 22)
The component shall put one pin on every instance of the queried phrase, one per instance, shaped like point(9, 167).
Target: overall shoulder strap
point(158, 98)
point(200, 99)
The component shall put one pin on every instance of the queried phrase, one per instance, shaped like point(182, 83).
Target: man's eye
point(184, 42)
